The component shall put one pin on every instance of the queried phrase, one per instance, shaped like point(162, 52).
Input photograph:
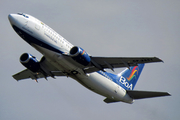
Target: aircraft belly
point(105, 87)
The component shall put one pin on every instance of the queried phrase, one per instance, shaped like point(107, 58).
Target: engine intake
point(30, 62)
point(80, 55)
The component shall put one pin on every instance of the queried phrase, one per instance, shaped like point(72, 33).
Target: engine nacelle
point(80, 55)
point(30, 62)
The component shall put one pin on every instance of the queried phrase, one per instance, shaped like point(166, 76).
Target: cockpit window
point(23, 15)
point(20, 13)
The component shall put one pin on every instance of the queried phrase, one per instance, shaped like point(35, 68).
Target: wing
point(101, 63)
point(47, 69)
point(28, 74)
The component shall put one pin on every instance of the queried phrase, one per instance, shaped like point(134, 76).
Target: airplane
point(61, 58)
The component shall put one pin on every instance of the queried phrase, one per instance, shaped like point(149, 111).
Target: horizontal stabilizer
point(145, 94)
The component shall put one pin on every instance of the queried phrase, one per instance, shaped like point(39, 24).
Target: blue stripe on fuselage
point(32, 40)
point(115, 78)
point(110, 76)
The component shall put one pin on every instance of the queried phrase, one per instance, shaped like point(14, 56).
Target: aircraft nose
point(11, 18)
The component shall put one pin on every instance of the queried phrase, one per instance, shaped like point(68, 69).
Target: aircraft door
point(117, 89)
point(37, 26)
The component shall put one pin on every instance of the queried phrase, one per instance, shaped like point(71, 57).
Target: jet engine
point(80, 55)
point(30, 62)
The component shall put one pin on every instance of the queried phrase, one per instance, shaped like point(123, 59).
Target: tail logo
point(132, 75)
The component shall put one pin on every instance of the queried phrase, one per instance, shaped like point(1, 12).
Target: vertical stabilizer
point(129, 77)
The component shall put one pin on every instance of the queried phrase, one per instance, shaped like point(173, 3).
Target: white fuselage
point(43, 33)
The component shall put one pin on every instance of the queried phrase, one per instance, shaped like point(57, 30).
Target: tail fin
point(129, 77)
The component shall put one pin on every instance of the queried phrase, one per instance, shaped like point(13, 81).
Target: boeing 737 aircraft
point(61, 58)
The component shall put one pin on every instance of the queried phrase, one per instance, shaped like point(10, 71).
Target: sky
point(112, 28)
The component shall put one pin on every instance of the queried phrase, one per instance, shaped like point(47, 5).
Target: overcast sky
point(119, 28)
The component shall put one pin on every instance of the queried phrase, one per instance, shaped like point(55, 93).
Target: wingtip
point(15, 78)
point(168, 94)
point(160, 60)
